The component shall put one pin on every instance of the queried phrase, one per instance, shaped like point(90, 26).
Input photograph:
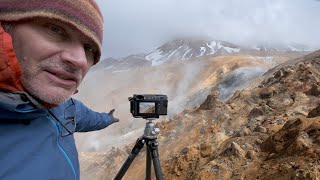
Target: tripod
point(150, 138)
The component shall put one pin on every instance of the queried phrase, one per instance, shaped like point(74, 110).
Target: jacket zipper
point(61, 149)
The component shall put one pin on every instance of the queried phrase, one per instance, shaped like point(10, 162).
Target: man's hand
point(113, 119)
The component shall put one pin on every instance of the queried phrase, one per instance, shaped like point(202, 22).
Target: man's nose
point(75, 54)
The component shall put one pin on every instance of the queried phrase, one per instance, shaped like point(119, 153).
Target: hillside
point(186, 83)
point(271, 131)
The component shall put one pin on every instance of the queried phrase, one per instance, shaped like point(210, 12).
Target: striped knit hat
point(82, 14)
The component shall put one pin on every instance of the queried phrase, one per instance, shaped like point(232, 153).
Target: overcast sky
point(133, 26)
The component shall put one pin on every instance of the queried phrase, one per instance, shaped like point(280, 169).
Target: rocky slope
point(268, 132)
point(186, 83)
point(271, 131)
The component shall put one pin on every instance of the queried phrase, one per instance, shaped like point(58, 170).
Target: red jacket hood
point(10, 70)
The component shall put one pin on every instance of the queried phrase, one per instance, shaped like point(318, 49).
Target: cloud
point(142, 25)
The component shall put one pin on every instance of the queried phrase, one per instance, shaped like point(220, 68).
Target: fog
point(142, 25)
point(238, 79)
point(105, 90)
point(186, 83)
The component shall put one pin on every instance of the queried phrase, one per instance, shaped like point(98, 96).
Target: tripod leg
point(135, 150)
point(153, 149)
point(148, 164)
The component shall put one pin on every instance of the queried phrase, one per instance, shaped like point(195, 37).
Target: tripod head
point(150, 131)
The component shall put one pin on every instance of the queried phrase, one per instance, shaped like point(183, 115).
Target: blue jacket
point(31, 145)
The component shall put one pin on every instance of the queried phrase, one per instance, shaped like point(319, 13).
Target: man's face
point(53, 56)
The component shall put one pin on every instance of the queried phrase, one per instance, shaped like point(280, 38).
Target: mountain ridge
point(188, 49)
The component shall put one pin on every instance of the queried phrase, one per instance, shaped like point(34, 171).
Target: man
point(46, 49)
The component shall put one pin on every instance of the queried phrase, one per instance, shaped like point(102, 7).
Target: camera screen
point(147, 107)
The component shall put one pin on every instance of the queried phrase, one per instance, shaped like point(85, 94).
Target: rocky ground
point(271, 131)
point(186, 83)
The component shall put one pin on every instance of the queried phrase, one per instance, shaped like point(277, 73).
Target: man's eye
point(89, 48)
point(91, 52)
point(56, 29)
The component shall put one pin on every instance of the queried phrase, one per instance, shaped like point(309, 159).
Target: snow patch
point(184, 56)
point(154, 56)
point(293, 48)
point(219, 45)
point(202, 51)
point(212, 46)
point(173, 53)
point(231, 50)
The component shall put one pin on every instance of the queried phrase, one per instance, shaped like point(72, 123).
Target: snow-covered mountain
point(186, 49)
point(189, 49)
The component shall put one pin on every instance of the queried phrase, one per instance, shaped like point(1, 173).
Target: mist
point(238, 79)
point(143, 25)
point(105, 90)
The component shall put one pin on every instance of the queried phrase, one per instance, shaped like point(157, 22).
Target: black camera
point(148, 105)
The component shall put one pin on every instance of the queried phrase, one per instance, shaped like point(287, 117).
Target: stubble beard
point(43, 95)
point(37, 89)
